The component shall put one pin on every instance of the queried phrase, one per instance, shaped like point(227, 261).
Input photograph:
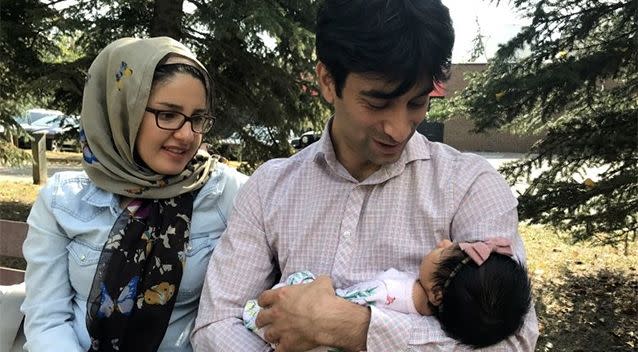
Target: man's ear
point(437, 294)
point(326, 82)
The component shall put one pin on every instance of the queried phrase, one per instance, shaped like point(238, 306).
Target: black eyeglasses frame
point(206, 117)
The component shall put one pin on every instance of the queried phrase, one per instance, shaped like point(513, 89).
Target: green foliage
point(441, 110)
point(23, 39)
point(572, 76)
point(478, 44)
point(47, 50)
point(10, 155)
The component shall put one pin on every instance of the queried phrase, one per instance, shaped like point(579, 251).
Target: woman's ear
point(326, 82)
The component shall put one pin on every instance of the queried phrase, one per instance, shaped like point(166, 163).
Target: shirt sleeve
point(242, 266)
point(481, 206)
point(48, 304)
point(394, 331)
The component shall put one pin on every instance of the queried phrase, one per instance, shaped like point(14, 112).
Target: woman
point(116, 255)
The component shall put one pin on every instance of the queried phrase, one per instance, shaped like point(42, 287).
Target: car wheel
point(305, 141)
point(53, 145)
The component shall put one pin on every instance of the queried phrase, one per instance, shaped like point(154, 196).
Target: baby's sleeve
point(391, 289)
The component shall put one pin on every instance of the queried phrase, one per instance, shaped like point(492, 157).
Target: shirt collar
point(417, 148)
point(100, 198)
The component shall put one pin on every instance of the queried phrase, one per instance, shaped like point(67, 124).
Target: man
point(368, 196)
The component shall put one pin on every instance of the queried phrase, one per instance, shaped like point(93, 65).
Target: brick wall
point(457, 130)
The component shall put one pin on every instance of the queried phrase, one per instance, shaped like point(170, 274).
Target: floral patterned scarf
point(140, 268)
point(138, 275)
point(116, 93)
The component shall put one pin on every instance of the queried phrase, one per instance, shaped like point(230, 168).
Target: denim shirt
point(68, 226)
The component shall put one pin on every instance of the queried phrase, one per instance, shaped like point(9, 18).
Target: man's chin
point(382, 160)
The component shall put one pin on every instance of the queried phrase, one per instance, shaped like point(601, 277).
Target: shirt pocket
point(83, 259)
point(198, 252)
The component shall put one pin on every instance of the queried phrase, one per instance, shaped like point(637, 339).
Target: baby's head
point(482, 295)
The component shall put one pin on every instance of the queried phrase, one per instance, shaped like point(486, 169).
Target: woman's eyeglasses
point(173, 120)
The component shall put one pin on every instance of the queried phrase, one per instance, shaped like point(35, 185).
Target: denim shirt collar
point(100, 198)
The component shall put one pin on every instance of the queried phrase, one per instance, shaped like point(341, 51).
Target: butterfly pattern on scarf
point(123, 72)
point(159, 294)
point(124, 302)
point(138, 275)
point(87, 154)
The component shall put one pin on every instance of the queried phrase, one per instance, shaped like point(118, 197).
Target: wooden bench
point(12, 235)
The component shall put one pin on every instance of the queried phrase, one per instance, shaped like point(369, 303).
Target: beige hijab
point(116, 93)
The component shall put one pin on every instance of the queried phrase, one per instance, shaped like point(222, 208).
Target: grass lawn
point(586, 296)
point(16, 199)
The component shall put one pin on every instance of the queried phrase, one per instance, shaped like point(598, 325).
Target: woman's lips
point(175, 152)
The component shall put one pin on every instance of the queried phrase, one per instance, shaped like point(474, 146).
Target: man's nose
point(399, 125)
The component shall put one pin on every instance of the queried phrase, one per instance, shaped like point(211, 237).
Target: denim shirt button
point(82, 257)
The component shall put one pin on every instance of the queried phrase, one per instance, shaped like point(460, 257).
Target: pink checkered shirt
point(307, 213)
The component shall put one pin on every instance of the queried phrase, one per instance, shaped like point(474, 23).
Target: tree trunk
point(167, 19)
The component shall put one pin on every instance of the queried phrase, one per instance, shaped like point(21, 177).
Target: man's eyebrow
point(379, 94)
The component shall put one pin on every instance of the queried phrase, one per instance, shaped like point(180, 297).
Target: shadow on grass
point(12, 262)
point(592, 311)
point(14, 210)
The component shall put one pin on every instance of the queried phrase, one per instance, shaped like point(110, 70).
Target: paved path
point(498, 159)
point(25, 173)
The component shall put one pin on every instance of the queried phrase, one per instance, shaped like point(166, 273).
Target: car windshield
point(35, 116)
point(50, 120)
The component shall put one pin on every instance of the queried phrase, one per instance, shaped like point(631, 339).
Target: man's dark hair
point(482, 305)
point(402, 41)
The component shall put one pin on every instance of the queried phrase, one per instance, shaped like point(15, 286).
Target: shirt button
point(346, 234)
point(82, 257)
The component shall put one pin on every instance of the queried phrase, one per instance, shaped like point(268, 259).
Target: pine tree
point(260, 54)
point(571, 75)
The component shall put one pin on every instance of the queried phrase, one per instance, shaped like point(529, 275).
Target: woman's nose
point(185, 132)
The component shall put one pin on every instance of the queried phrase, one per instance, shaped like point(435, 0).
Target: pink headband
point(480, 251)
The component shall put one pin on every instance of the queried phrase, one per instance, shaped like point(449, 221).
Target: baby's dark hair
point(403, 41)
point(481, 305)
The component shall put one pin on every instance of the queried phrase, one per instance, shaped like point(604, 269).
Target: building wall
point(457, 130)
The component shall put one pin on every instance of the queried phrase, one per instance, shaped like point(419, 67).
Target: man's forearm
point(345, 326)
point(227, 335)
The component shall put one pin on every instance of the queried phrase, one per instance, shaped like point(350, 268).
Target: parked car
point(54, 126)
point(33, 115)
point(232, 146)
point(305, 139)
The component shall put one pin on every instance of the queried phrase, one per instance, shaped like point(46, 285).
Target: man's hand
point(302, 317)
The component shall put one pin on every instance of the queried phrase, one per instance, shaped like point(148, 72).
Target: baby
point(478, 292)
